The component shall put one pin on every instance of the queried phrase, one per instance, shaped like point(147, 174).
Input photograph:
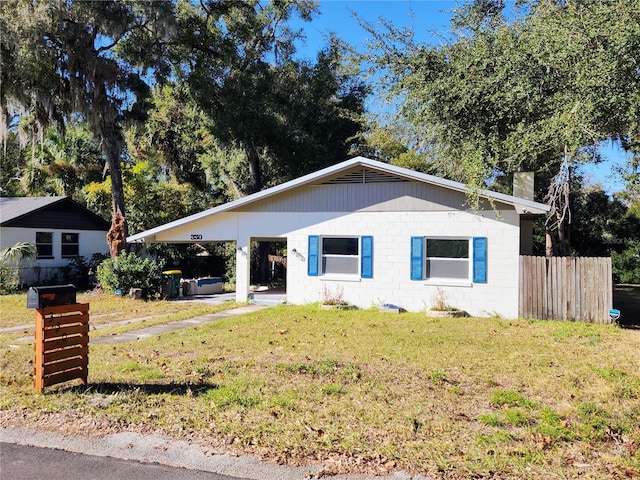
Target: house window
point(342, 256)
point(70, 246)
point(44, 244)
point(449, 259)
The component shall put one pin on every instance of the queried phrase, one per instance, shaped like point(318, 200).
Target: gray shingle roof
point(14, 207)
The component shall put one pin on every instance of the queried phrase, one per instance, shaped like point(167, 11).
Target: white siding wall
point(89, 242)
point(220, 227)
point(391, 233)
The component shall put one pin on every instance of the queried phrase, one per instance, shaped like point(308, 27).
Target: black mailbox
point(51, 296)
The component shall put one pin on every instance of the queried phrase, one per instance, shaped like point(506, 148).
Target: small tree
point(128, 271)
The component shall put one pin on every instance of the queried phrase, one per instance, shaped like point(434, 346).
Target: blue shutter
point(417, 260)
point(480, 259)
point(366, 257)
point(312, 256)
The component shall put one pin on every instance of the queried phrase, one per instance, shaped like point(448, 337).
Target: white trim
point(334, 277)
point(50, 244)
point(448, 280)
point(443, 282)
point(322, 256)
point(63, 244)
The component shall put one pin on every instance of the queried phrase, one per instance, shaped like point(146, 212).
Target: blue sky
point(425, 16)
point(429, 20)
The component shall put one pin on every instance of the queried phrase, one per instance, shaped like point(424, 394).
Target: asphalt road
point(23, 462)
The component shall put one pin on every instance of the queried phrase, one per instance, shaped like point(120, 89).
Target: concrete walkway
point(257, 303)
point(147, 332)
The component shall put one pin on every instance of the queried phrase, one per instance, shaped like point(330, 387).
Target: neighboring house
point(61, 229)
point(376, 234)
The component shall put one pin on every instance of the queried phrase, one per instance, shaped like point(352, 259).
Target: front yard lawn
point(364, 391)
point(105, 308)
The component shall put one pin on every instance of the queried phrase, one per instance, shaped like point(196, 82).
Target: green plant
point(438, 377)
point(235, 395)
point(554, 426)
point(509, 398)
point(82, 273)
point(12, 259)
point(7, 283)
point(626, 264)
point(128, 271)
point(332, 389)
point(515, 417)
point(490, 419)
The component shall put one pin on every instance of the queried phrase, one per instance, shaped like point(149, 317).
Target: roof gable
point(363, 175)
point(356, 170)
point(48, 212)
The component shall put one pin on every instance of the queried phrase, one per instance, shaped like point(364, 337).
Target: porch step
point(257, 298)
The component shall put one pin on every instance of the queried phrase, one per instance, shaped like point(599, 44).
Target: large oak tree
point(62, 60)
point(539, 89)
point(272, 115)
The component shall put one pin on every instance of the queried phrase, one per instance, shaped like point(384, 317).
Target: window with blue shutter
point(366, 257)
point(480, 259)
point(312, 256)
point(417, 258)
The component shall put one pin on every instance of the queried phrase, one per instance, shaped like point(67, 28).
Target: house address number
point(196, 236)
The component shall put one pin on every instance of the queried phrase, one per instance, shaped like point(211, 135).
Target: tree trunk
point(111, 146)
point(255, 185)
point(255, 175)
point(563, 241)
point(116, 237)
point(548, 247)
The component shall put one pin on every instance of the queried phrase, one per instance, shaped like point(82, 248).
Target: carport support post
point(243, 264)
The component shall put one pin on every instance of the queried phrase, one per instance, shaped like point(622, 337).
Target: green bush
point(8, 282)
point(130, 271)
point(82, 272)
point(626, 264)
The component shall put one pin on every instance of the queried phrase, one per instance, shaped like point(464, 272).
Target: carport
point(220, 225)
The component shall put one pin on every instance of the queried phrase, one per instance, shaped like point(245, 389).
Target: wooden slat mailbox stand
point(61, 345)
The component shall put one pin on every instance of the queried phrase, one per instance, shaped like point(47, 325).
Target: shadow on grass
point(107, 388)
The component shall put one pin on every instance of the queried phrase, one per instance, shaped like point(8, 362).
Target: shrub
point(626, 264)
point(82, 273)
point(8, 282)
point(130, 271)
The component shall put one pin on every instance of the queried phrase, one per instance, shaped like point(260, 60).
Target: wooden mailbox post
point(61, 344)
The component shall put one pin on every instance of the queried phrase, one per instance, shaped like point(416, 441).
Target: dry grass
point(366, 391)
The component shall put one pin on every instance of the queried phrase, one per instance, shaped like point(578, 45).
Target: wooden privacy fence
point(566, 288)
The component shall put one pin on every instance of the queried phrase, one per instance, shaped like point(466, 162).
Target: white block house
point(61, 229)
point(377, 234)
